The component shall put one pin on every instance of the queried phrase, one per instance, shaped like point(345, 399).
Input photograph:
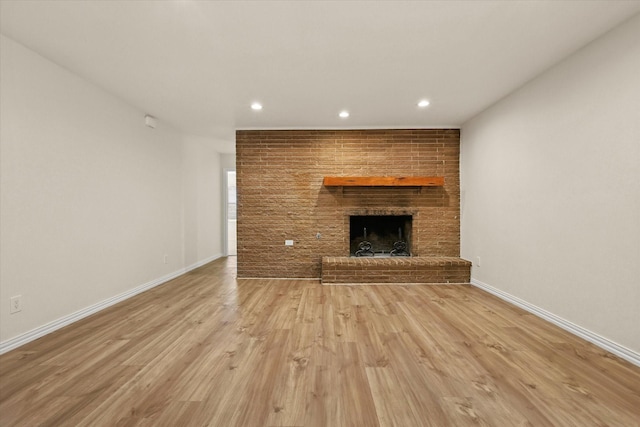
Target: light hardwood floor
point(205, 349)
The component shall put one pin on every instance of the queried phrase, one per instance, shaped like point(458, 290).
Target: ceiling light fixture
point(344, 114)
point(423, 103)
point(256, 106)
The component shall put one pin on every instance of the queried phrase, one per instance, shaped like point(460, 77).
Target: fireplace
point(380, 235)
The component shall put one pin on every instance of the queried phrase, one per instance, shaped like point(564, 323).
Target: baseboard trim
point(47, 328)
point(203, 262)
point(608, 345)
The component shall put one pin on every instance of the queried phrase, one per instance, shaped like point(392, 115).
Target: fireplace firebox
point(380, 235)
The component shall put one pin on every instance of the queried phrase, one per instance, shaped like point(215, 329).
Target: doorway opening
point(231, 214)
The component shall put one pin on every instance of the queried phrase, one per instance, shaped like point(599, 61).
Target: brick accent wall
point(281, 197)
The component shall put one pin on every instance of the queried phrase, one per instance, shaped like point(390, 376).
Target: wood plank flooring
point(208, 350)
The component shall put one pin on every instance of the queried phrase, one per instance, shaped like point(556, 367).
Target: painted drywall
point(91, 199)
point(550, 189)
point(228, 161)
point(202, 182)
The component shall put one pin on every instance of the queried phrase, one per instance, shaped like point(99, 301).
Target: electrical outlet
point(16, 304)
point(165, 258)
point(477, 261)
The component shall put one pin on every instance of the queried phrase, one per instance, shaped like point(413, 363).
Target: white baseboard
point(615, 348)
point(203, 262)
point(47, 328)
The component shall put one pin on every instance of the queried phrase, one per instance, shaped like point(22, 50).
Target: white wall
point(228, 161)
point(202, 181)
point(91, 199)
point(550, 182)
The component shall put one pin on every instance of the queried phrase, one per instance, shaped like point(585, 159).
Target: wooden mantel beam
point(383, 181)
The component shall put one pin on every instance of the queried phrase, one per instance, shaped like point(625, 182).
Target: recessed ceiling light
point(256, 106)
point(344, 114)
point(423, 103)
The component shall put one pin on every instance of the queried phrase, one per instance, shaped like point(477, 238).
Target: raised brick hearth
point(431, 270)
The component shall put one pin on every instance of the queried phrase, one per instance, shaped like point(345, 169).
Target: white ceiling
point(198, 65)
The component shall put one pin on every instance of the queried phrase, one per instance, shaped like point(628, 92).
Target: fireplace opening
point(380, 235)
